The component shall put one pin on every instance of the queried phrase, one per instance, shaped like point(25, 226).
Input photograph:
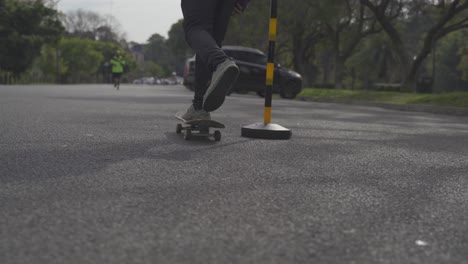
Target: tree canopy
point(323, 39)
point(25, 26)
point(88, 24)
point(332, 43)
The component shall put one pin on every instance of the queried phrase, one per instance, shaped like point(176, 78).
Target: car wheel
point(217, 135)
point(187, 134)
point(290, 90)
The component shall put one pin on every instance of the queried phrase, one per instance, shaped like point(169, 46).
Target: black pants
point(205, 25)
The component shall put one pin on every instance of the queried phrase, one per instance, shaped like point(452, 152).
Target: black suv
point(252, 65)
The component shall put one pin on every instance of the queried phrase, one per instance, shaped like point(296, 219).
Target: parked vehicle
point(252, 65)
point(145, 80)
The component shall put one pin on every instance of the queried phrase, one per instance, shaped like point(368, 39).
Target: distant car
point(137, 81)
point(252, 65)
point(169, 81)
point(145, 80)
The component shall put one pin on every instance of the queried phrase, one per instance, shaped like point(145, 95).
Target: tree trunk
point(327, 67)
point(440, 29)
point(306, 69)
point(302, 61)
point(339, 72)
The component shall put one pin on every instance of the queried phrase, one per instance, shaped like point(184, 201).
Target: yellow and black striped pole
point(270, 71)
point(267, 130)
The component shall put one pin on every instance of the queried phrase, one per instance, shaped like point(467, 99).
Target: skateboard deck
point(201, 127)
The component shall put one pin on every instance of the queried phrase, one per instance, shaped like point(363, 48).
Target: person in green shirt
point(118, 64)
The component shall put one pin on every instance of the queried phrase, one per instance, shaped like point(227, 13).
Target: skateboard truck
point(201, 132)
point(198, 128)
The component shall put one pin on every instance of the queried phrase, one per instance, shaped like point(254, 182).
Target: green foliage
point(25, 26)
point(159, 52)
point(178, 47)
point(176, 41)
point(374, 61)
point(463, 66)
point(338, 40)
point(351, 95)
point(147, 69)
point(85, 59)
point(423, 23)
point(49, 63)
point(251, 28)
point(108, 50)
point(327, 41)
point(456, 99)
point(449, 74)
point(75, 60)
point(80, 57)
point(459, 99)
point(169, 54)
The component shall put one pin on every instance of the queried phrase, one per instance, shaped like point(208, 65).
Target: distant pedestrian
point(205, 26)
point(118, 64)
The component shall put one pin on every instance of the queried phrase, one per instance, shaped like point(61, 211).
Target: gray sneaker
point(192, 114)
point(223, 78)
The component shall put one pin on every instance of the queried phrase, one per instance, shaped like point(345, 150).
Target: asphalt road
point(89, 174)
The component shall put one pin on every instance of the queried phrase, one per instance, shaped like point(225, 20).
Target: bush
point(324, 85)
point(386, 87)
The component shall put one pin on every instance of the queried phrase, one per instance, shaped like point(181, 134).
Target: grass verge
point(458, 99)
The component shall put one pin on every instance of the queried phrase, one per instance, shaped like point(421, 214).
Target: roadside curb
point(443, 110)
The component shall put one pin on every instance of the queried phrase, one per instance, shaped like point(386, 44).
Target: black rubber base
point(269, 131)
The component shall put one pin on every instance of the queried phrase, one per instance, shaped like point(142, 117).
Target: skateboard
point(200, 126)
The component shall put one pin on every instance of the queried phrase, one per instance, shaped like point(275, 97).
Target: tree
point(351, 42)
point(463, 66)
point(25, 26)
point(448, 16)
point(157, 51)
point(51, 65)
point(251, 28)
point(88, 24)
point(302, 32)
point(307, 30)
point(347, 23)
point(108, 50)
point(86, 60)
point(147, 69)
point(373, 61)
point(177, 44)
point(80, 58)
point(449, 75)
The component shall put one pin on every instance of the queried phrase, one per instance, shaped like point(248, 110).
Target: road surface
point(89, 174)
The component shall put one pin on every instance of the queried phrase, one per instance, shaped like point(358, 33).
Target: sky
point(139, 18)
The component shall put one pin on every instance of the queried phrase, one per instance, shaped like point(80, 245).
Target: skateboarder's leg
point(198, 27)
point(202, 78)
point(226, 73)
point(205, 24)
point(199, 19)
point(222, 17)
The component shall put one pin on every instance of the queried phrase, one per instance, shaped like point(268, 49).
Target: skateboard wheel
point(217, 135)
point(187, 134)
point(179, 129)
